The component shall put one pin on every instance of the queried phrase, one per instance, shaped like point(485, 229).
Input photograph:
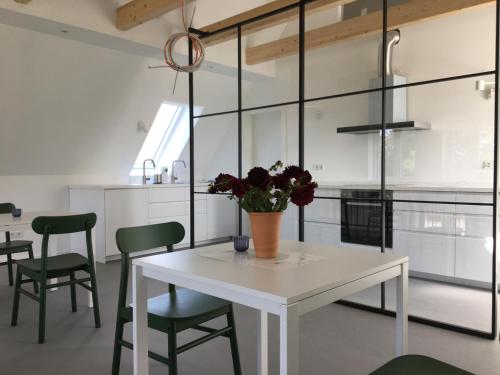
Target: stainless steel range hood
point(375, 128)
point(396, 118)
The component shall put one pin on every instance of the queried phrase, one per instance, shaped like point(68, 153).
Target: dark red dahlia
point(293, 171)
point(259, 177)
point(304, 178)
point(224, 182)
point(281, 181)
point(240, 188)
point(213, 189)
point(304, 195)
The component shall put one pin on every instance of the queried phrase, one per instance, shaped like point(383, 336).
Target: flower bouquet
point(265, 194)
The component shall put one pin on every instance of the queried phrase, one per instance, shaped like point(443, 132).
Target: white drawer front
point(424, 222)
point(200, 207)
point(474, 225)
point(323, 211)
point(429, 253)
point(474, 258)
point(427, 197)
point(475, 198)
point(170, 194)
point(320, 233)
point(198, 195)
point(164, 210)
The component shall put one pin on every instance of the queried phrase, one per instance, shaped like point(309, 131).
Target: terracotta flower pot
point(266, 233)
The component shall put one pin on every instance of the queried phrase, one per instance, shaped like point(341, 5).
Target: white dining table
point(303, 278)
point(9, 223)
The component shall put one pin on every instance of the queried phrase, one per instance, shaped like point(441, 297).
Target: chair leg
point(234, 342)
point(41, 313)
point(30, 254)
point(172, 351)
point(95, 299)
point(9, 266)
point(17, 293)
point(73, 292)
point(117, 352)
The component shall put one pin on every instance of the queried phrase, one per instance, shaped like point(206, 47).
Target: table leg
point(402, 312)
point(262, 349)
point(140, 324)
point(289, 340)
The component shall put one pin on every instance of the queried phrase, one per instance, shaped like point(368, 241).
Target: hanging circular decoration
point(197, 45)
point(198, 52)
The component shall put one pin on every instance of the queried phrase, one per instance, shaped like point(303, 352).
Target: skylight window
point(166, 138)
point(163, 124)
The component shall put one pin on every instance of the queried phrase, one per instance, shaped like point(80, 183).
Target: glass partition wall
point(393, 117)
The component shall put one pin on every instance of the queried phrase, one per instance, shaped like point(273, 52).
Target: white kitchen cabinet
point(426, 197)
point(324, 210)
point(430, 222)
point(128, 205)
point(428, 253)
point(322, 233)
point(222, 217)
point(166, 210)
point(123, 208)
point(200, 227)
point(474, 257)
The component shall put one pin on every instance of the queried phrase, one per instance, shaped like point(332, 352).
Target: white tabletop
point(327, 267)
point(7, 220)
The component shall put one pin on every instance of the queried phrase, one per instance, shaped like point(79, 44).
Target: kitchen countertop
point(432, 187)
point(131, 186)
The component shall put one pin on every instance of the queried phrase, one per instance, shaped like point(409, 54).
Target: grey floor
point(334, 340)
point(455, 304)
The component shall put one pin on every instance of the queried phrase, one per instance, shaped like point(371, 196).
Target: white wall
point(70, 113)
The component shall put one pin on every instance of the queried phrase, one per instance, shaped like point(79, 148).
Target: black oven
point(361, 214)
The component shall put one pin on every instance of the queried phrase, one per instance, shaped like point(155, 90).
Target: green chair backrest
point(130, 240)
point(6, 208)
point(49, 225)
point(147, 237)
point(64, 224)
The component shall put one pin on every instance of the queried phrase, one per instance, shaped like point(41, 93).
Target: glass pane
point(347, 211)
point(219, 73)
point(451, 254)
point(343, 52)
point(449, 44)
point(216, 151)
point(456, 147)
point(216, 146)
point(269, 76)
point(268, 136)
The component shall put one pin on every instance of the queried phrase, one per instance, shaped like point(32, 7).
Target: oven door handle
point(363, 204)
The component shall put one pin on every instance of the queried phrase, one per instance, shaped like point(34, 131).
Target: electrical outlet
point(318, 167)
point(16, 235)
point(487, 164)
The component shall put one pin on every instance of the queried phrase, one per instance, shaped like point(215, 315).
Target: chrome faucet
point(144, 178)
point(173, 178)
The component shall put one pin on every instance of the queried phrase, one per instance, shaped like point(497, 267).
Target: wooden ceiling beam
point(136, 12)
point(398, 16)
point(283, 17)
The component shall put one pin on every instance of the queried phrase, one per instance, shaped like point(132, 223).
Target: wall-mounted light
point(142, 127)
point(487, 87)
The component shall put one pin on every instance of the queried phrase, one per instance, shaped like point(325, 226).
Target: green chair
point(418, 365)
point(13, 247)
point(175, 311)
point(65, 265)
